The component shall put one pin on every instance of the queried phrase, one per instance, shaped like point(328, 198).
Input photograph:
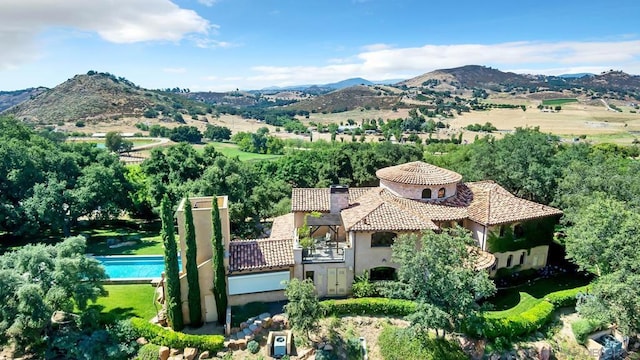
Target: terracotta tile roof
point(282, 227)
point(484, 260)
point(259, 254)
point(373, 212)
point(493, 205)
point(418, 173)
point(317, 199)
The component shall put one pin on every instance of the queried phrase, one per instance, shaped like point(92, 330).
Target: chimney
point(338, 198)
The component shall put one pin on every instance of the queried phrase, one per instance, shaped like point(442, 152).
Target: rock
point(142, 341)
point(280, 319)
point(190, 353)
point(267, 322)
point(164, 353)
point(544, 352)
point(494, 356)
point(233, 345)
point(249, 337)
point(234, 329)
point(242, 344)
point(328, 347)
point(264, 316)
point(174, 352)
point(243, 325)
point(204, 355)
point(321, 345)
point(255, 329)
point(178, 357)
point(246, 332)
point(239, 335)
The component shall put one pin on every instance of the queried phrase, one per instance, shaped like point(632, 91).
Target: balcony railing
point(323, 253)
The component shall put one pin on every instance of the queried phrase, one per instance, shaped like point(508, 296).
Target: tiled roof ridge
point(399, 203)
point(418, 173)
point(374, 192)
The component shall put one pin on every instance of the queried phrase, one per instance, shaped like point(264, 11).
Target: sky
point(221, 45)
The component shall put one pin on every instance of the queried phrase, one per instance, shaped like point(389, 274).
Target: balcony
point(325, 252)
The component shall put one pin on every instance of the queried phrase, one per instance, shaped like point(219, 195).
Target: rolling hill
point(12, 98)
point(359, 96)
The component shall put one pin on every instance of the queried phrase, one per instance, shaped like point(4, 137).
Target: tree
point(220, 280)
point(37, 280)
point(303, 308)
point(114, 142)
point(173, 297)
point(193, 298)
point(217, 133)
point(437, 270)
point(604, 240)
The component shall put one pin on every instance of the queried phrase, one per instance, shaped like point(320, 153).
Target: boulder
point(242, 344)
point(142, 341)
point(243, 325)
point(246, 332)
point(190, 353)
point(204, 355)
point(233, 345)
point(174, 352)
point(264, 316)
point(544, 352)
point(328, 347)
point(279, 319)
point(178, 357)
point(164, 353)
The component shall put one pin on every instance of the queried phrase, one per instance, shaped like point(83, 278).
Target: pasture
point(561, 101)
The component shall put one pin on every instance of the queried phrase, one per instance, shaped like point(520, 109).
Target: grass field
point(562, 101)
point(522, 298)
point(125, 301)
point(145, 240)
point(232, 150)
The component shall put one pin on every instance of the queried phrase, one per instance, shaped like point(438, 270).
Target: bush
point(149, 352)
point(253, 347)
point(583, 327)
point(362, 287)
point(513, 325)
point(325, 355)
point(368, 306)
point(166, 337)
point(566, 297)
point(80, 123)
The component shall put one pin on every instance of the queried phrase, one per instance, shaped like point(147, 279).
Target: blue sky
point(251, 44)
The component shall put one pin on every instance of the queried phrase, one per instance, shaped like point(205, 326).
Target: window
point(522, 258)
point(382, 239)
point(495, 265)
point(309, 275)
point(502, 229)
point(382, 273)
point(441, 193)
point(509, 260)
point(518, 231)
point(426, 194)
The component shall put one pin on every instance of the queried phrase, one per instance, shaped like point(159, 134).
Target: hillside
point(469, 76)
point(611, 80)
point(12, 98)
point(99, 97)
point(350, 98)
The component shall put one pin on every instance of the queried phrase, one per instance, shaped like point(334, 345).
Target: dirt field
point(575, 119)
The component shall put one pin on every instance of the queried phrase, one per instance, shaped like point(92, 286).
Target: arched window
point(509, 260)
point(522, 258)
point(441, 193)
point(518, 231)
point(382, 273)
point(382, 239)
point(426, 194)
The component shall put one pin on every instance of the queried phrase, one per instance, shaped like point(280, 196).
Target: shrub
point(166, 337)
point(368, 306)
point(362, 287)
point(148, 352)
point(253, 347)
point(583, 327)
point(325, 355)
point(513, 325)
point(566, 297)
point(80, 123)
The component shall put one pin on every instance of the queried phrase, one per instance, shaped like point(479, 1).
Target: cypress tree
point(195, 311)
point(220, 281)
point(172, 274)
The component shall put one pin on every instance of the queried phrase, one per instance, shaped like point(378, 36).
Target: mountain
point(99, 96)
point(575, 76)
point(469, 76)
point(324, 88)
point(12, 98)
point(348, 83)
point(611, 80)
point(359, 96)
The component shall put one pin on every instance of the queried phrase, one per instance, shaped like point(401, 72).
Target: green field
point(232, 150)
point(561, 101)
point(125, 301)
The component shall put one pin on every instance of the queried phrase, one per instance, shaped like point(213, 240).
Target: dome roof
point(418, 173)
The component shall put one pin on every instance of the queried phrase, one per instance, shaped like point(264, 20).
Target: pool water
point(128, 267)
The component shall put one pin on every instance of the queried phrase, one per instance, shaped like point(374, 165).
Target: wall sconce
point(384, 260)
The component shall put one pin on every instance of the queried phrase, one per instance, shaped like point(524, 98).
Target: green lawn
point(145, 239)
point(232, 150)
point(126, 301)
point(519, 299)
point(561, 101)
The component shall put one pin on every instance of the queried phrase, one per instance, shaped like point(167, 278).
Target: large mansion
point(349, 231)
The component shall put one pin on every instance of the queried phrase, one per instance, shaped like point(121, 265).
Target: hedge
point(368, 306)
point(566, 297)
point(173, 339)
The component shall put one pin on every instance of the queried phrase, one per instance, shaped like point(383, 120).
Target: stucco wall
point(267, 296)
point(534, 258)
point(207, 300)
point(321, 275)
point(415, 191)
point(367, 257)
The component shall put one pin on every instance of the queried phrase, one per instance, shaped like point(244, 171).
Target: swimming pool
point(133, 267)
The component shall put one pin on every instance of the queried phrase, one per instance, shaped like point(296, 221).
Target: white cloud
point(207, 2)
point(379, 61)
point(180, 70)
point(117, 21)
